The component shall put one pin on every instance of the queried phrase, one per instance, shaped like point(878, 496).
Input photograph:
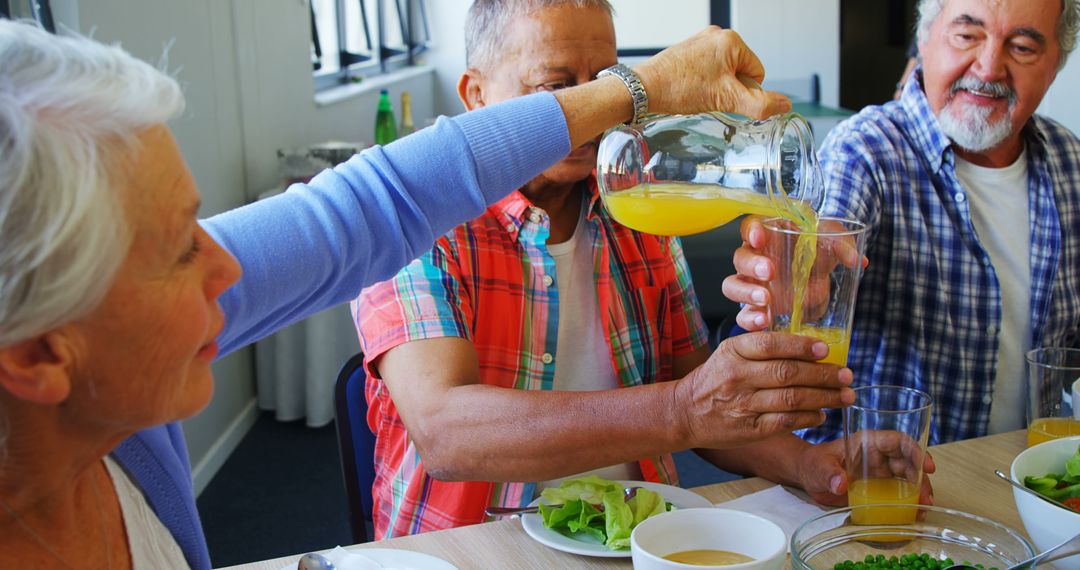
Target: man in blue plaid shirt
point(973, 203)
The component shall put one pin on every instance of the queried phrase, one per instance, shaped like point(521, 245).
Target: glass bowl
point(823, 541)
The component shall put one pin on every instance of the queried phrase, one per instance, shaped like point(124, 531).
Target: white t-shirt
point(998, 199)
point(583, 360)
point(150, 543)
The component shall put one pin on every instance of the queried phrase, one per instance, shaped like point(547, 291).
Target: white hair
point(70, 109)
point(487, 21)
point(1067, 29)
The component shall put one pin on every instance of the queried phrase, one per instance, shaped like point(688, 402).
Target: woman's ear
point(38, 370)
point(470, 89)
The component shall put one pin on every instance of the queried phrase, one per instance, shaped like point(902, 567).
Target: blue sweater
point(316, 245)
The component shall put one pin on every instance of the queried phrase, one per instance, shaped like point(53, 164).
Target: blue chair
point(356, 444)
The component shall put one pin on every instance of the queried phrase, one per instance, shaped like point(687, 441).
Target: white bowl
point(1046, 524)
point(707, 528)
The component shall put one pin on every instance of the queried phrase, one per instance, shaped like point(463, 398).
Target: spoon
point(628, 493)
point(314, 561)
point(1009, 480)
point(1050, 555)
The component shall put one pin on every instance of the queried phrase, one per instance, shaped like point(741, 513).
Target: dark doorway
point(874, 38)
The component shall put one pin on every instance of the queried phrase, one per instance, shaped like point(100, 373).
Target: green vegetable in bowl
point(905, 562)
point(596, 507)
point(1064, 488)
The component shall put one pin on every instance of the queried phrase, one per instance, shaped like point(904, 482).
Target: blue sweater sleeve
point(318, 244)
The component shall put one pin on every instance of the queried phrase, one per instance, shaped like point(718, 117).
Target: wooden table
point(964, 481)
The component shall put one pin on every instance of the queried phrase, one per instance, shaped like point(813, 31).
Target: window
point(355, 38)
point(39, 10)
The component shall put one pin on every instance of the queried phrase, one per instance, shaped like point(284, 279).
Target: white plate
point(398, 559)
point(581, 543)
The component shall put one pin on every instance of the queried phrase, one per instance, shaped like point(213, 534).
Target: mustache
point(995, 88)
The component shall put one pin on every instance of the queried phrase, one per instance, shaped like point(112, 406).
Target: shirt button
point(547, 358)
point(510, 228)
point(548, 280)
point(988, 399)
point(959, 197)
point(991, 330)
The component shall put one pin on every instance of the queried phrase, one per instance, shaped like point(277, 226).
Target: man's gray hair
point(70, 109)
point(1067, 29)
point(486, 24)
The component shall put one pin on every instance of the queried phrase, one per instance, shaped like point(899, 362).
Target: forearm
point(318, 244)
point(775, 459)
point(497, 434)
point(594, 107)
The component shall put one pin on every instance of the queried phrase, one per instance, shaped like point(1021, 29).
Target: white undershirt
point(150, 543)
point(998, 199)
point(583, 359)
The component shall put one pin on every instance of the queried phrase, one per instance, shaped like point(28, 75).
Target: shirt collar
point(924, 126)
point(922, 122)
point(514, 210)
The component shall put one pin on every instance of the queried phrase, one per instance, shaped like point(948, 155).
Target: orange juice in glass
point(817, 279)
point(885, 435)
point(838, 339)
point(1051, 375)
point(1045, 429)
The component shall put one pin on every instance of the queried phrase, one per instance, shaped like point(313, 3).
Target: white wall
point(1061, 102)
point(639, 24)
point(794, 38)
point(277, 94)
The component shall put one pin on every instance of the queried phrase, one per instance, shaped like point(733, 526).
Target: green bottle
point(385, 125)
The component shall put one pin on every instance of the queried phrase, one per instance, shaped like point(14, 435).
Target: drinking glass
point(817, 279)
point(885, 436)
point(1051, 375)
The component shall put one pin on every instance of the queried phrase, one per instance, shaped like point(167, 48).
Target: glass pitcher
point(684, 174)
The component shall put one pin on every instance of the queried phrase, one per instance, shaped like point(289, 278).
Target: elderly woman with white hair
point(115, 299)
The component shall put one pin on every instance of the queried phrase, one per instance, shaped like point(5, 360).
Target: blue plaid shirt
point(928, 315)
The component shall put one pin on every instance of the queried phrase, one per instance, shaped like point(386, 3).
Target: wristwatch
point(633, 83)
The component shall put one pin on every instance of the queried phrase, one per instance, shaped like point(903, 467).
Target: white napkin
point(346, 560)
point(777, 504)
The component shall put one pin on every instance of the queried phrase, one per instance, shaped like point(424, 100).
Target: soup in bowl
point(708, 538)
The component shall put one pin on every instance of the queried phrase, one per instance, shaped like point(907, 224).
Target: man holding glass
point(974, 215)
point(543, 340)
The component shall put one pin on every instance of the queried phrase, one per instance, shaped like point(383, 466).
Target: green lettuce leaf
point(590, 489)
point(1072, 468)
point(572, 508)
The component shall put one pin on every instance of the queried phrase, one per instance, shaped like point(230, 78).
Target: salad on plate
point(597, 507)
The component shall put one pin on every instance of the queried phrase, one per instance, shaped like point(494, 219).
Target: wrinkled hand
point(888, 454)
point(757, 264)
point(758, 385)
point(700, 73)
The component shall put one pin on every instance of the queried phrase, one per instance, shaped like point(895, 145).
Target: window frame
point(378, 59)
point(39, 10)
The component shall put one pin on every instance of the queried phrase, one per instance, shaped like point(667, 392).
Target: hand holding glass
point(817, 279)
point(885, 436)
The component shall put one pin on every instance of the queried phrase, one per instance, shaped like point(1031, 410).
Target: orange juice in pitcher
point(684, 174)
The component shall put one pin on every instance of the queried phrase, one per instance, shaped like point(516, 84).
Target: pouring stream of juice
point(681, 209)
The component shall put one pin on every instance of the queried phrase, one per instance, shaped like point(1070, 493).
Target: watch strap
point(634, 85)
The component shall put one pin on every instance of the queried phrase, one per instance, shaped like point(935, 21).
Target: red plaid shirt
point(485, 282)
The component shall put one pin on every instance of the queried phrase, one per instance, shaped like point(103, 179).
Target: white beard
point(972, 129)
